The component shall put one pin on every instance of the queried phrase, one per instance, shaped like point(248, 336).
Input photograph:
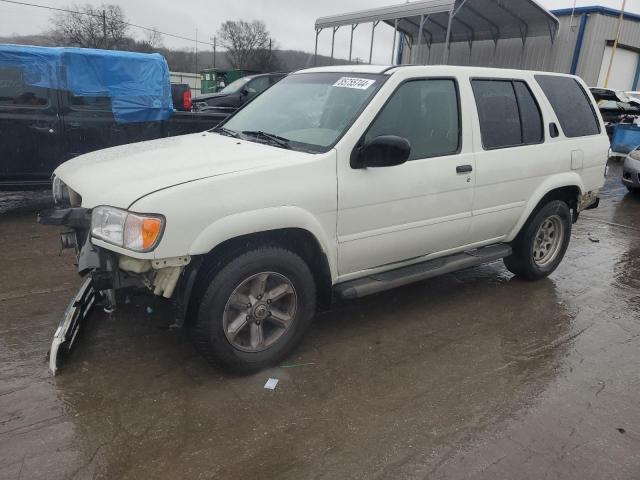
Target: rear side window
point(15, 92)
point(509, 115)
point(529, 114)
point(571, 104)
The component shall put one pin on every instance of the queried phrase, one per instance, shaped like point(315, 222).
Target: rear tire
point(541, 244)
point(254, 309)
point(632, 189)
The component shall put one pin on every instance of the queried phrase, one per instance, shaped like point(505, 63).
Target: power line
point(45, 7)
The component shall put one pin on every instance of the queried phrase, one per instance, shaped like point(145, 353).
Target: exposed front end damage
point(107, 274)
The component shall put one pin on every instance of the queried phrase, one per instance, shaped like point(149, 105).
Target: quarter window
point(426, 113)
point(509, 115)
point(572, 105)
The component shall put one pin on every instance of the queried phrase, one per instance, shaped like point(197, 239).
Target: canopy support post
point(447, 42)
point(395, 33)
point(315, 54)
point(353, 27)
point(333, 40)
point(373, 31)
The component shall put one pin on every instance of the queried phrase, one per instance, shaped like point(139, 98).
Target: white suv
point(335, 183)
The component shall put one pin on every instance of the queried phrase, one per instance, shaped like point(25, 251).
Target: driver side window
point(426, 113)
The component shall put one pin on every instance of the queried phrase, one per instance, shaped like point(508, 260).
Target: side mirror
point(382, 151)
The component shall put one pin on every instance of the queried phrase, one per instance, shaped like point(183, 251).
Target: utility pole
point(104, 28)
point(196, 50)
point(615, 44)
point(214, 52)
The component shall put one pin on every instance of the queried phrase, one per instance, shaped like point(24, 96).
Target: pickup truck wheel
point(540, 246)
point(255, 309)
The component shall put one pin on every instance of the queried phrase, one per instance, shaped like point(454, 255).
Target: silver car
point(631, 171)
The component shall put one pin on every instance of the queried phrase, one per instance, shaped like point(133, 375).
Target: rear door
point(512, 157)
point(30, 130)
point(89, 124)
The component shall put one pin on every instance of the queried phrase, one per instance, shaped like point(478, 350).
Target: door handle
point(464, 169)
point(42, 128)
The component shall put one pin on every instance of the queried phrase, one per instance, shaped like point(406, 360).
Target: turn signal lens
point(141, 233)
point(151, 228)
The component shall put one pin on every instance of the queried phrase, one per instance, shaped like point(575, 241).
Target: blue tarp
point(138, 83)
point(626, 137)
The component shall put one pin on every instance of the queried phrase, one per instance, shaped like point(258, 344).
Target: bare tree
point(153, 38)
point(247, 43)
point(152, 42)
point(90, 27)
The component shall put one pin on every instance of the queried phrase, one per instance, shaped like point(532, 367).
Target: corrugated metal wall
point(601, 28)
point(539, 53)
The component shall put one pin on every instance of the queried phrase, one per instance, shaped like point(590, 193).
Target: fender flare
point(567, 179)
point(262, 220)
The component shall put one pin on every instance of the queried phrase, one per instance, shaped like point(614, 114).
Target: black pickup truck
point(42, 127)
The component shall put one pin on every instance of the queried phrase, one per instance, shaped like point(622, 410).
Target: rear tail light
point(186, 100)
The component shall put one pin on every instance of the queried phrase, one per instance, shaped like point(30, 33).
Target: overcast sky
point(289, 21)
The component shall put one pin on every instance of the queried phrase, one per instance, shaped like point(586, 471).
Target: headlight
point(124, 229)
point(635, 154)
point(60, 192)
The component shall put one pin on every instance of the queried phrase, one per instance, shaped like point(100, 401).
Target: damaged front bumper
point(106, 272)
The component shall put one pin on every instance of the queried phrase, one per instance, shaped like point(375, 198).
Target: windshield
point(236, 85)
point(310, 111)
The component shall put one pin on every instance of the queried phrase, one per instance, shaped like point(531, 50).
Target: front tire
point(255, 309)
point(540, 246)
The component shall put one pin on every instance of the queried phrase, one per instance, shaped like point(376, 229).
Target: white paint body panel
point(213, 188)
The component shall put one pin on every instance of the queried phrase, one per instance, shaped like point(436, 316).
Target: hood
point(119, 176)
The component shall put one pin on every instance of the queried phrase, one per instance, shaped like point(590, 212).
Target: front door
point(30, 148)
point(395, 214)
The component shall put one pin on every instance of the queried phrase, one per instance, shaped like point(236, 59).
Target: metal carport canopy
point(445, 21)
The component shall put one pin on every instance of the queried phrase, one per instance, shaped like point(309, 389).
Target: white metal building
point(508, 34)
point(192, 79)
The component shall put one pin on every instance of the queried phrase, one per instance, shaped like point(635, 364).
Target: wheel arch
point(298, 240)
point(567, 188)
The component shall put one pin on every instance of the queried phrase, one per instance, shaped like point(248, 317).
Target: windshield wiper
point(227, 132)
point(274, 139)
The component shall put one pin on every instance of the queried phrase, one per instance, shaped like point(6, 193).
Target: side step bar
point(421, 271)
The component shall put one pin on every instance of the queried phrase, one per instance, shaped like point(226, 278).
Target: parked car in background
point(181, 96)
point(239, 92)
point(215, 79)
point(337, 182)
point(631, 171)
point(49, 111)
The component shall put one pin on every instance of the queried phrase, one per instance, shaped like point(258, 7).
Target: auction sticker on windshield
point(351, 82)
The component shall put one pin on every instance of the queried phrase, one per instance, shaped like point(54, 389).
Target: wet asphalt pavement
point(472, 375)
